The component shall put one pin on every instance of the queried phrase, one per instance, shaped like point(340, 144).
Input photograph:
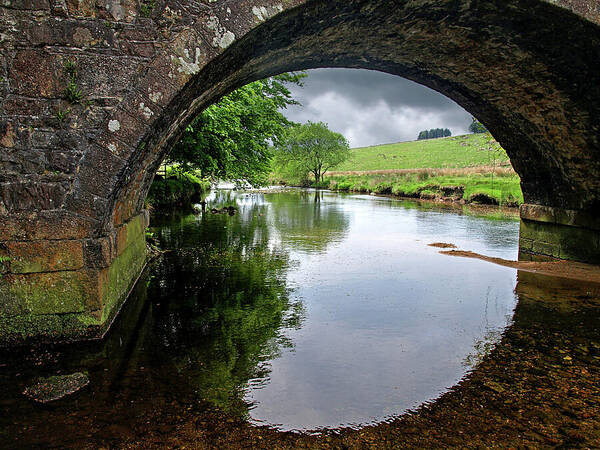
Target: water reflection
point(295, 313)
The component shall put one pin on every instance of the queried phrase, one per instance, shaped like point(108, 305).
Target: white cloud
point(372, 108)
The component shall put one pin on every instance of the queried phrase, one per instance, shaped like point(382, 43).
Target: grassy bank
point(455, 185)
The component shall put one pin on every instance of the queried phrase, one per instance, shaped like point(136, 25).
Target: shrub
point(176, 190)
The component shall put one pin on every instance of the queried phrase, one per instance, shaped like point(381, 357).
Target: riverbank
point(481, 185)
point(461, 169)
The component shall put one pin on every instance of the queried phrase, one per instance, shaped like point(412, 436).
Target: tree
point(232, 139)
point(476, 126)
point(311, 148)
point(434, 133)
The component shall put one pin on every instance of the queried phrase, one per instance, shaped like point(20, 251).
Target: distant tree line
point(434, 133)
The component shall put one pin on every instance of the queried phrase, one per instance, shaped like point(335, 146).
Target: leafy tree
point(477, 127)
point(311, 148)
point(232, 139)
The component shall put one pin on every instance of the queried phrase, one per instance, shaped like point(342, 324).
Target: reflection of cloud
point(371, 107)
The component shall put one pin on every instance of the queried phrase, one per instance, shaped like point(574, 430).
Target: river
point(304, 311)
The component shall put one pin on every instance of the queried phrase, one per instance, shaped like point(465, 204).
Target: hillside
point(457, 151)
point(465, 169)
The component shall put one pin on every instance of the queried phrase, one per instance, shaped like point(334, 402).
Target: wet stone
point(56, 387)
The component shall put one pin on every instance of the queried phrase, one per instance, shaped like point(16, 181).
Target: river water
point(302, 310)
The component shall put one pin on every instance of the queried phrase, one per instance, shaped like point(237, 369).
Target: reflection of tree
point(306, 222)
point(221, 304)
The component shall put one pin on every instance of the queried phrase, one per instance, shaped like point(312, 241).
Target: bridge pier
point(69, 289)
point(555, 233)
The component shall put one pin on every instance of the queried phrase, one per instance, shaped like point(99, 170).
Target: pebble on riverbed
point(54, 388)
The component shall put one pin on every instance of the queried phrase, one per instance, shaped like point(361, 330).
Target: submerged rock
point(56, 387)
point(231, 210)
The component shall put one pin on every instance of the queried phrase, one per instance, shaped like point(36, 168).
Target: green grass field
point(457, 151)
point(470, 168)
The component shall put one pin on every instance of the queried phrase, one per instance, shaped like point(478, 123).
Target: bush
point(176, 191)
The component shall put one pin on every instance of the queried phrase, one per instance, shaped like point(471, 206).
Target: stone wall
point(559, 234)
point(93, 93)
point(69, 289)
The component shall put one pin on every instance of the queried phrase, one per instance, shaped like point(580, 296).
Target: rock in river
point(56, 387)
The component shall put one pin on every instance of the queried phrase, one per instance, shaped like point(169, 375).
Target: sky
point(371, 108)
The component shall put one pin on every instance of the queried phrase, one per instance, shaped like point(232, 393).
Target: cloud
point(371, 107)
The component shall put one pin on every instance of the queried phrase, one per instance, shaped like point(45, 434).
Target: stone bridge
point(94, 92)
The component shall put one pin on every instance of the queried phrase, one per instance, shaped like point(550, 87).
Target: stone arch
point(537, 97)
point(525, 68)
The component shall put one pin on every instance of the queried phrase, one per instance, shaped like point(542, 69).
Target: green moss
point(123, 272)
point(47, 293)
point(88, 320)
point(21, 328)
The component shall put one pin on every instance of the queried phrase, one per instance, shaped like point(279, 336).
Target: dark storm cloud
point(371, 107)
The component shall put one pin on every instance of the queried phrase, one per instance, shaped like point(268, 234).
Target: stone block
point(45, 225)
point(103, 161)
point(98, 252)
point(22, 106)
point(545, 248)
point(14, 330)
point(48, 293)
point(145, 110)
point(36, 73)
point(559, 241)
point(45, 256)
point(128, 205)
point(87, 204)
point(86, 8)
point(72, 304)
point(92, 179)
point(156, 85)
point(126, 128)
point(116, 281)
point(33, 5)
point(580, 244)
point(21, 162)
point(537, 213)
point(33, 195)
point(130, 232)
point(107, 76)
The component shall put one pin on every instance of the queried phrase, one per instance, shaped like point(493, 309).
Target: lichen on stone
point(223, 37)
point(114, 125)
